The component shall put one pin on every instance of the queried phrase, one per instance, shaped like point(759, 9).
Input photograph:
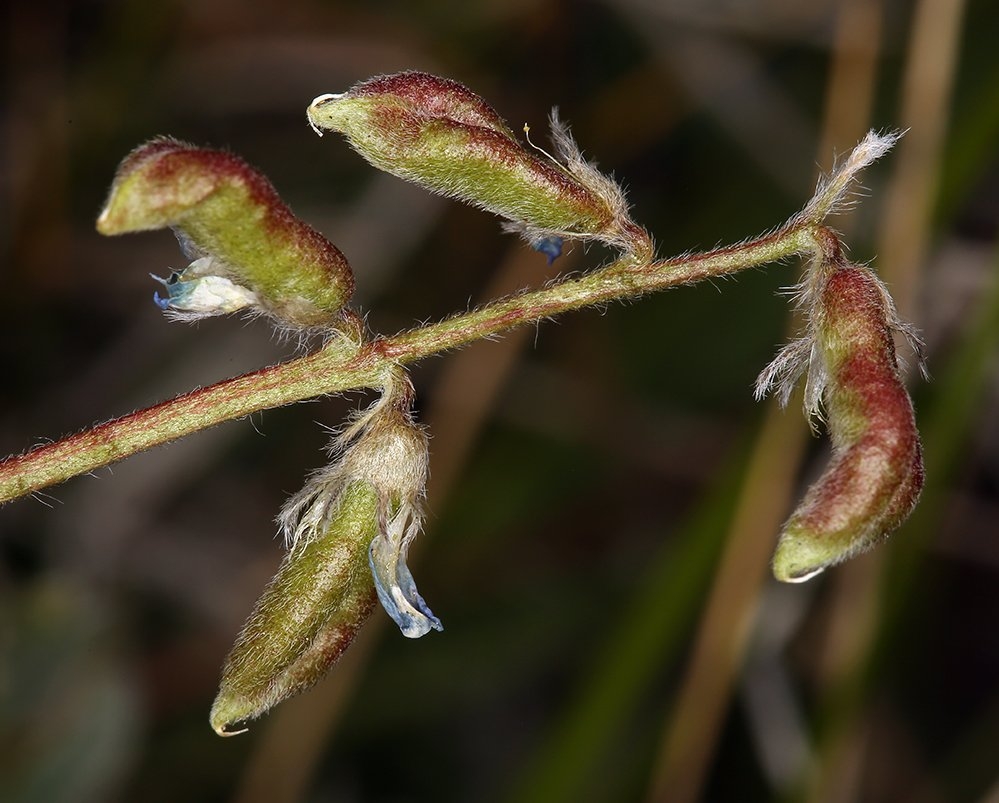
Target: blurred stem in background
point(731, 611)
point(721, 639)
point(859, 621)
point(695, 726)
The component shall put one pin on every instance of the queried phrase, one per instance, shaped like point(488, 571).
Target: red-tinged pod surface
point(439, 134)
point(226, 211)
point(875, 475)
point(434, 97)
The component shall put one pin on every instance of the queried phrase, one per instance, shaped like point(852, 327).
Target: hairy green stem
point(619, 280)
point(342, 365)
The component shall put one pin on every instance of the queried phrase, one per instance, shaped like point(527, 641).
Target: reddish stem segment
point(339, 366)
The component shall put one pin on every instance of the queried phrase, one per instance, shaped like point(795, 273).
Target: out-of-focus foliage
point(588, 478)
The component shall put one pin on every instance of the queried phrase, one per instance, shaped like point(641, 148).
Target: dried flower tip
point(439, 134)
point(383, 448)
point(831, 192)
point(223, 210)
point(875, 475)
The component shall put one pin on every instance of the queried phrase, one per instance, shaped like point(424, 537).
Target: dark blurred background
point(605, 495)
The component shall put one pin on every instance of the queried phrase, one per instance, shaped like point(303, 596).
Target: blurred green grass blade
point(653, 628)
point(950, 410)
point(947, 417)
point(972, 146)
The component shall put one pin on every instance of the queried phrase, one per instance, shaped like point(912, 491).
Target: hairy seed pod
point(439, 134)
point(875, 475)
point(307, 616)
point(348, 533)
point(235, 227)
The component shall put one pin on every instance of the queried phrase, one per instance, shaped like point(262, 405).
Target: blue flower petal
point(397, 590)
point(550, 246)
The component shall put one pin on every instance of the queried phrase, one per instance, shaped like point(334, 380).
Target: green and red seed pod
point(875, 475)
point(223, 209)
point(439, 134)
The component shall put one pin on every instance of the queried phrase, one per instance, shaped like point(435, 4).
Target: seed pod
point(234, 226)
point(348, 533)
point(307, 616)
point(875, 475)
point(439, 134)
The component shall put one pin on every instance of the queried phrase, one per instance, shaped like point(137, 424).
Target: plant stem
point(342, 365)
point(618, 280)
point(317, 374)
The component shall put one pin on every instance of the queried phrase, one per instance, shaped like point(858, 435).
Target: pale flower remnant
point(393, 580)
point(196, 293)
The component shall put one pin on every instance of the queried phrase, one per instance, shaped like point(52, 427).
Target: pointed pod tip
point(102, 221)
point(226, 715)
point(311, 113)
point(799, 558)
point(802, 577)
point(320, 99)
point(220, 729)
